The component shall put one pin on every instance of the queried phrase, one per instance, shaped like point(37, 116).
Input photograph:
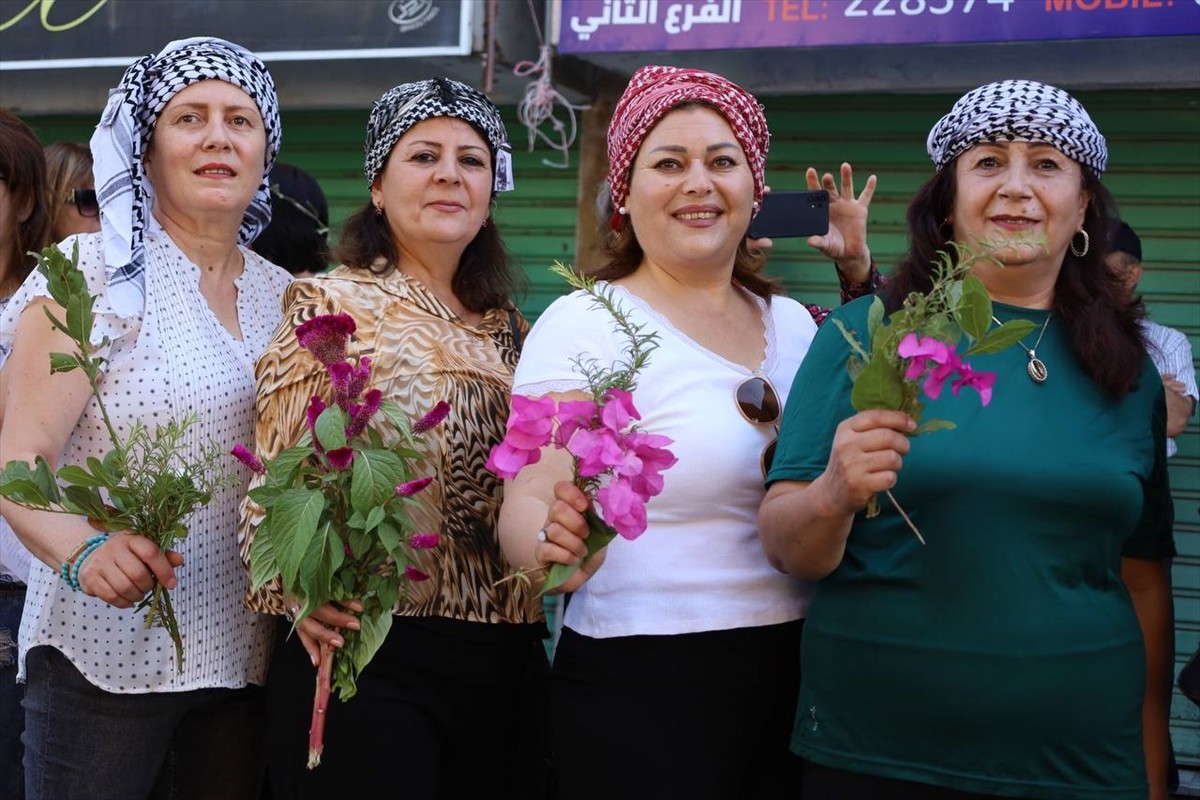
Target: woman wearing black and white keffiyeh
point(182, 154)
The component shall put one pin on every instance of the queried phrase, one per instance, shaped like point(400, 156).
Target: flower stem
point(316, 731)
point(916, 532)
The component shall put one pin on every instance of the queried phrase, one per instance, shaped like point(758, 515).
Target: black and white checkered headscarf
point(1018, 111)
point(122, 138)
point(409, 103)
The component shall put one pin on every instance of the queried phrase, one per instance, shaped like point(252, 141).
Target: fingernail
point(337, 643)
point(313, 659)
point(171, 583)
point(354, 625)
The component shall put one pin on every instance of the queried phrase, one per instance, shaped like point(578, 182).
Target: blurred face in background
point(70, 188)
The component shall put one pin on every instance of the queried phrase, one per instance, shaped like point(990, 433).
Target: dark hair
point(1122, 239)
point(297, 238)
point(485, 278)
point(1101, 323)
point(68, 166)
point(23, 170)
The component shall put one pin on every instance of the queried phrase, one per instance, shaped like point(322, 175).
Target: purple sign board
point(611, 26)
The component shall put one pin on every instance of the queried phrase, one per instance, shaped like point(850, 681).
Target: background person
point(71, 189)
point(182, 150)
point(970, 667)
point(447, 703)
point(297, 238)
point(1169, 349)
point(678, 663)
point(24, 227)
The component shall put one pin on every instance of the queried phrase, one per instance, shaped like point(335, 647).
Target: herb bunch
point(148, 483)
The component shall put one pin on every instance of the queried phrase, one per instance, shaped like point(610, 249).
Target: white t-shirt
point(176, 359)
point(699, 566)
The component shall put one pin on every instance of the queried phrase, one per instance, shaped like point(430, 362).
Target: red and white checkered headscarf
point(654, 91)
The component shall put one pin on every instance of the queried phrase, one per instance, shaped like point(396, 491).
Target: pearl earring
point(623, 211)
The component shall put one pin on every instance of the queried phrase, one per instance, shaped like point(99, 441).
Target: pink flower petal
point(326, 336)
point(433, 418)
point(424, 541)
point(243, 454)
point(412, 487)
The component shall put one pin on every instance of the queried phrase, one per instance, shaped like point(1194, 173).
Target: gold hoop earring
point(1087, 243)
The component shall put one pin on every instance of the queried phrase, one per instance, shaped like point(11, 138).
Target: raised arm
point(804, 525)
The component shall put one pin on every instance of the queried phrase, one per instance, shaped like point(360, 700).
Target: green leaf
point(389, 536)
point(63, 362)
point(331, 428)
point(366, 643)
point(929, 426)
point(79, 476)
point(874, 317)
point(322, 557)
point(86, 500)
point(263, 567)
point(854, 366)
point(974, 309)
point(296, 514)
point(360, 542)
point(878, 386)
point(851, 339)
point(282, 467)
point(392, 411)
point(375, 517)
point(1002, 337)
point(44, 477)
point(374, 478)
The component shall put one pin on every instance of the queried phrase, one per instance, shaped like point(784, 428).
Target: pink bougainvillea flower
point(424, 541)
point(618, 409)
point(573, 415)
point(415, 575)
point(531, 422)
point(623, 509)
point(412, 487)
point(920, 351)
point(242, 454)
point(506, 460)
point(360, 414)
point(326, 336)
point(596, 450)
point(340, 458)
point(981, 382)
point(433, 418)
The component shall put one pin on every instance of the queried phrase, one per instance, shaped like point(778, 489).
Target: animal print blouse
point(420, 353)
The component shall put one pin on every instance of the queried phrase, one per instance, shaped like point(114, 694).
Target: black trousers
point(701, 716)
point(446, 710)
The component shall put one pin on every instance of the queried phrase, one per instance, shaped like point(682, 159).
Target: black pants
point(701, 716)
point(825, 783)
point(446, 710)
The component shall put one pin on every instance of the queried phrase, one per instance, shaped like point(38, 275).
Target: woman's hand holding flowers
point(846, 242)
point(866, 456)
point(123, 569)
point(566, 531)
point(322, 625)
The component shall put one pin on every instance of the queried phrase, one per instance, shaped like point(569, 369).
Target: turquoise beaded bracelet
point(70, 567)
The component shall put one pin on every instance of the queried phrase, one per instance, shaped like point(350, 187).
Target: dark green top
point(1004, 656)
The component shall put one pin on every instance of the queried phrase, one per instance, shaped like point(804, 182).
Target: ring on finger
point(541, 535)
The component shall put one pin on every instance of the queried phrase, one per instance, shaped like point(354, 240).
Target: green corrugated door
point(1154, 173)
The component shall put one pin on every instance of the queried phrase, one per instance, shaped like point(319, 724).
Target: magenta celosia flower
point(326, 336)
point(242, 454)
point(573, 415)
point(361, 414)
point(981, 382)
point(920, 351)
point(340, 458)
point(433, 418)
point(618, 409)
point(623, 509)
point(415, 575)
point(506, 460)
point(412, 487)
point(339, 377)
point(359, 377)
point(315, 407)
point(424, 541)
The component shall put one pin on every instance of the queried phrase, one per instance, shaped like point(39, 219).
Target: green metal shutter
point(1154, 173)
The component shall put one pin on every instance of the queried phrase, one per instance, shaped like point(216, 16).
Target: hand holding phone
point(790, 214)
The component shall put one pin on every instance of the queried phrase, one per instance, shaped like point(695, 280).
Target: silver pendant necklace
point(1036, 368)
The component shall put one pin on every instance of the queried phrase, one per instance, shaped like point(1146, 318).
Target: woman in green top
point(1023, 651)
